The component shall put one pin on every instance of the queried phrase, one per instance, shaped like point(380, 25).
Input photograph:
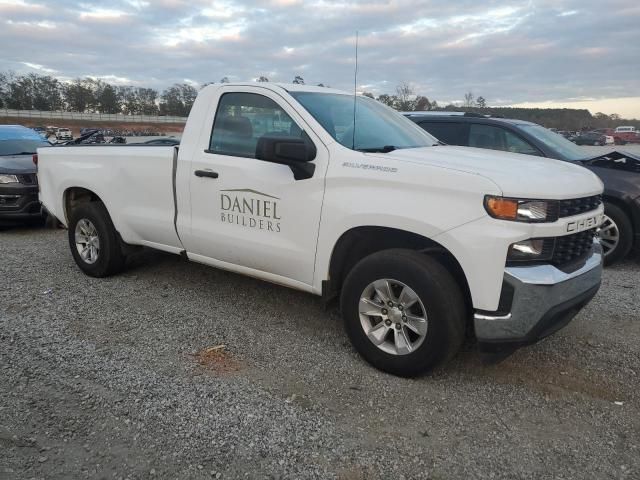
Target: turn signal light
point(504, 208)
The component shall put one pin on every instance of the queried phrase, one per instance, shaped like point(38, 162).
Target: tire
point(616, 234)
point(440, 300)
point(91, 221)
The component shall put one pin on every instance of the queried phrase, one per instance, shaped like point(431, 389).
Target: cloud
point(510, 51)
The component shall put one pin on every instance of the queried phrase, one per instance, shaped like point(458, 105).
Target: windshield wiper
point(385, 149)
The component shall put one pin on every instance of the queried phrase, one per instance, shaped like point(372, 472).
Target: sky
point(550, 53)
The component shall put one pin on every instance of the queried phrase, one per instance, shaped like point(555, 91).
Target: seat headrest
point(236, 125)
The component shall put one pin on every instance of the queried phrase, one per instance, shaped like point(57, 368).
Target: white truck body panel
point(134, 182)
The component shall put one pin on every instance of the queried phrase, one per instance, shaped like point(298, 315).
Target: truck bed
point(135, 182)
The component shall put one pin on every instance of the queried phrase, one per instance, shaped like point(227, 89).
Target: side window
point(486, 136)
point(516, 144)
point(242, 118)
point(498, 138)
point(450, 133)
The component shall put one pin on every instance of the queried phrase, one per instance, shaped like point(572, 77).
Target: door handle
point(206, 173)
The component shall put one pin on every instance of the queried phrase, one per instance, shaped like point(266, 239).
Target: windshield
point(378, 128)
point(20, 141)
point(566, 149)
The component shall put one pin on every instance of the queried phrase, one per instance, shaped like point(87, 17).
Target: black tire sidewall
point(110, 258)
point(625, 230)
point(439, 294)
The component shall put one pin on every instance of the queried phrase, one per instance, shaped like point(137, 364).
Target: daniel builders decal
point(250, 208)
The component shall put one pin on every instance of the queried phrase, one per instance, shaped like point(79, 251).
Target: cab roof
point(276, 86)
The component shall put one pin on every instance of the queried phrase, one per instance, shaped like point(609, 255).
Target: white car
point(421, 242)
point(64, 134)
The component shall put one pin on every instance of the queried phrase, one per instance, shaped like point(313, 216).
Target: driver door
point(250, 213)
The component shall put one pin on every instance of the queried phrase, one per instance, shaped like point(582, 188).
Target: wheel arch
point(359, 242)
point(74, 196)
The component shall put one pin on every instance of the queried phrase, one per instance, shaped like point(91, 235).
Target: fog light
point(533, 249)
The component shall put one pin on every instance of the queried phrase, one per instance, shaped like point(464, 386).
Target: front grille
point(572, 247)
point(28, 179)
point(576, 206)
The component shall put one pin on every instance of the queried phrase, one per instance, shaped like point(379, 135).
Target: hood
point(517, 175)
point(623, 161)
point(17, 164)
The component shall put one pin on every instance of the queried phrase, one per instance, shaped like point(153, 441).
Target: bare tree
point(468, 99)
point(481, 102)
point(405, 94)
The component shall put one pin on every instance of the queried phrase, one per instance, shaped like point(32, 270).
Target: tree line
point(89, 95)
point(405, 99)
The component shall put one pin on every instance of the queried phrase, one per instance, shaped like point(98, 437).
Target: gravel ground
point(110, 379)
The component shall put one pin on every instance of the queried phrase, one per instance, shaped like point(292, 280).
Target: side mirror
point(292, 151)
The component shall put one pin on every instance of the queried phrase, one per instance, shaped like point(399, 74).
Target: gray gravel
point(100, 379)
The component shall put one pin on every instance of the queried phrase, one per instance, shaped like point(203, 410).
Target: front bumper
point(541, 300)
point(18, 203)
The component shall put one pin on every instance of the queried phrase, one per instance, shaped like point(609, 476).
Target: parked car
point(283, 183)
point(64, 134)
point(591, 138)
point(620, 172)
point(626, 134)
point(18, 182)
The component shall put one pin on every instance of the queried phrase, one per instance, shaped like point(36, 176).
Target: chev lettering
point(250, 208)
point(585, 223)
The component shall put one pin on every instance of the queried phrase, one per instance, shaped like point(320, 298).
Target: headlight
point(521, 210)
point(535, 249)
point(8, 179)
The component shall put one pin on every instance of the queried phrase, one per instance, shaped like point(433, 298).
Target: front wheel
point(94, 242)
point(615, 234)
point(403, 311)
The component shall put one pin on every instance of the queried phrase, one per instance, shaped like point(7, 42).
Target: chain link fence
point(90, 117)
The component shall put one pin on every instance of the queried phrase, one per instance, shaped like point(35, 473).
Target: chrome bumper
point(544, 299)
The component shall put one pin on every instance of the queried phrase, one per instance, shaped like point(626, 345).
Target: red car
point(626, 134)
point(621, 135)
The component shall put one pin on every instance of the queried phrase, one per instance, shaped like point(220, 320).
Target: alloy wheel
point(609, 235)
point(87, 241)
point(393, 317)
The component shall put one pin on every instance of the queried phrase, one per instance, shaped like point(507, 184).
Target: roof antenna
point(355, 87)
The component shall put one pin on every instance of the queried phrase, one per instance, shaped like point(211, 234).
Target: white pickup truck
point(421, 242)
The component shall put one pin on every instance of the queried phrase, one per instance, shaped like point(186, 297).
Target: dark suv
point(18, 182)
point(620, 172)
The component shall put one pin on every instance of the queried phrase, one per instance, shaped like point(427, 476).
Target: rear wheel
point(94, 242)
point(615, 234)
point(403, 311)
